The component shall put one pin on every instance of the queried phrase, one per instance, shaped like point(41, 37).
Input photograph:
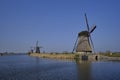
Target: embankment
point(89, 57)
point(107, 58)
point(54, 56)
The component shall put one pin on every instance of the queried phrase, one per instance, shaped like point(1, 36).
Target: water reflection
point(31, 68)
point(83, 70)
point(37, 60)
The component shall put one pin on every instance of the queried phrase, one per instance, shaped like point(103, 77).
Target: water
point(23, 67)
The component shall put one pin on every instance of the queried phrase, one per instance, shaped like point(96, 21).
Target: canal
point(23, 67)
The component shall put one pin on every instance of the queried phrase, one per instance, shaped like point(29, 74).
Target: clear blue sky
point(56, 23)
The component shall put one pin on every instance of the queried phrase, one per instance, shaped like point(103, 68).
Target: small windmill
point(37, 48)
point(84, 43)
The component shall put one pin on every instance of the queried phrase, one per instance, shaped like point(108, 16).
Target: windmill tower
point(84, 43)
point(37, 48)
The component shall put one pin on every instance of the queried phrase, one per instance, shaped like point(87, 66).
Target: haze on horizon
point(56, 24)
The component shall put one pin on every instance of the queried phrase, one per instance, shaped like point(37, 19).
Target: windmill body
point(37, 48)
point(83, 44)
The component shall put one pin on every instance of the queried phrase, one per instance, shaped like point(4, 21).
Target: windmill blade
point(92, 43)
point(92, 29)
point(75, 45)
point(86, 22)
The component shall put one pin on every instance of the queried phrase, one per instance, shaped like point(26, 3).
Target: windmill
point(84, 43)
point(37, 48)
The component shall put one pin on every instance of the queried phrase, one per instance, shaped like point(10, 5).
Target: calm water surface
point(23, 67)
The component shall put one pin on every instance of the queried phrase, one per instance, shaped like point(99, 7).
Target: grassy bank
point(91, 57)
point(111, 54)
point(55, 56)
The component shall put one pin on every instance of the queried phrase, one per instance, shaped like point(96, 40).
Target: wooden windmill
point(84, 43)
point(37, 48)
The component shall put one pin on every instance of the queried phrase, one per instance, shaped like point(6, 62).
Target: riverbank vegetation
point(110, 54)
point(71, 56)
point(54, 55)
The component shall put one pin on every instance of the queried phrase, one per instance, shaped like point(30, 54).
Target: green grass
point(112, 55)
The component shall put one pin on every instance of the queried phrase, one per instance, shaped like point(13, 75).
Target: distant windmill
point(84, 43)
point(31, 49)
point(37, 48)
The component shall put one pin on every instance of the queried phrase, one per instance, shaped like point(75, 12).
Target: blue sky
point(56, 23)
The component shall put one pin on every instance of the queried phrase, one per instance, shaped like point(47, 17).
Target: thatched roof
point(84, 33)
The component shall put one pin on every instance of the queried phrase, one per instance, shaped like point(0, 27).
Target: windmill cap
point(83, 33)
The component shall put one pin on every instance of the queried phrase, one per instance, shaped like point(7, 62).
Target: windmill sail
point(86, 22)
point(75, 45)
point(92, 29)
